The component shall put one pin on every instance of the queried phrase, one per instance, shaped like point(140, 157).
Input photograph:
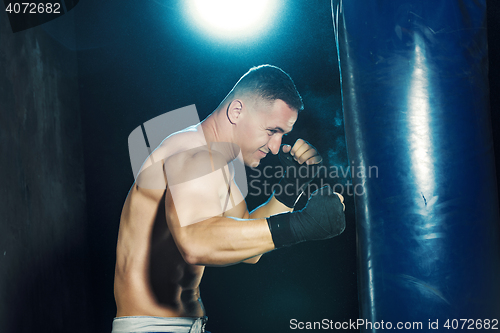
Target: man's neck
point(218, 134)
point(214, 129)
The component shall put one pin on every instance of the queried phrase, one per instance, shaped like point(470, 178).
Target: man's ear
point(234, 110)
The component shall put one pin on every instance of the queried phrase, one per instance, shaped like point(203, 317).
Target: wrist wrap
point(282, 233)
point(295, 179)
point(322, 218)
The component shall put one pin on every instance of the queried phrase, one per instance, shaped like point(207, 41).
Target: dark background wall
point(135, 61)
point(44, 284)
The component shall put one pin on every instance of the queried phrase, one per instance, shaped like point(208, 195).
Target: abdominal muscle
point(151, 276)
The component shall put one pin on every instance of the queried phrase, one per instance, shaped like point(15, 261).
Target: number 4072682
point(33, 8)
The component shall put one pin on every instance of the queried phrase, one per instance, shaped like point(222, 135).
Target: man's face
point(263, 129)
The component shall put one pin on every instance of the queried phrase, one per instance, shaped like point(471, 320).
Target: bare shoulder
point(175, 148)
point(192, 164)
point(151, 183)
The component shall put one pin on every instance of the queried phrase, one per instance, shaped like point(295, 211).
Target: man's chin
point(253, 161)
point(254, 164)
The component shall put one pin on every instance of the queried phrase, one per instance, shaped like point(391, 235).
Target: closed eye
point(275, 130)
point(272, 132)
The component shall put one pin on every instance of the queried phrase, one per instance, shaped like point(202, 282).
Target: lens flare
point(233, 18)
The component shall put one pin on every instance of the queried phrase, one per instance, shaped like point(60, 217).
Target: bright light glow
point(237, 18)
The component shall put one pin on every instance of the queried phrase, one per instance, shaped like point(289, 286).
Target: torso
point(151, 276)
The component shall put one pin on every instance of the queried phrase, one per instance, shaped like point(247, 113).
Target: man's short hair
point(270, 83)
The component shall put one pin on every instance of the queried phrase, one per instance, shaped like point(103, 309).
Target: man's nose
point(274, 144)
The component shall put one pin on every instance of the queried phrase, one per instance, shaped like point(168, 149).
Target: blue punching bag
point(415, 98)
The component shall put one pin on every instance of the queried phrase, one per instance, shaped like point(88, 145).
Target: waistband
point(159, 324)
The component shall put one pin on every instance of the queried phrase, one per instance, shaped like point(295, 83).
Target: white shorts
point(159, 324)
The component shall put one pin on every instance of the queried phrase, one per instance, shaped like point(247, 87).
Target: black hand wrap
point(322, 218)
point(295, 179)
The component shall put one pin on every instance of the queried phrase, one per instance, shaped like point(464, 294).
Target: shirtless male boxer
point(185, 211)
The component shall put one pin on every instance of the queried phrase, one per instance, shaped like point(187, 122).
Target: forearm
point(222, 241)
point(270, 207)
